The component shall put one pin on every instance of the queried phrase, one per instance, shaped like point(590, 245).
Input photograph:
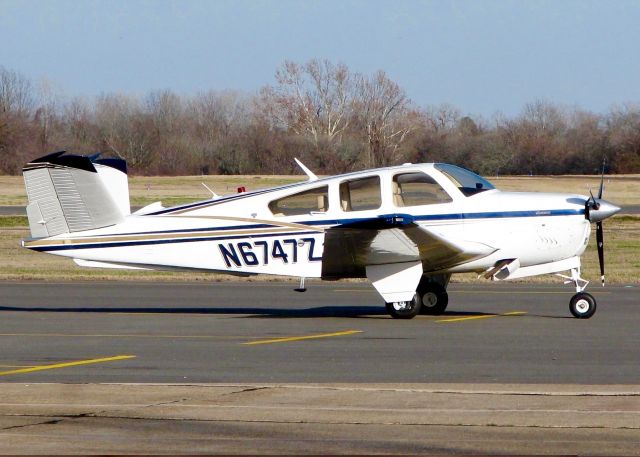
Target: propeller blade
point(600, 241)
point(601, 182)
point(594, 203)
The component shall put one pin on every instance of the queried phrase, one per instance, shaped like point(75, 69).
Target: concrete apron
point(322, 418)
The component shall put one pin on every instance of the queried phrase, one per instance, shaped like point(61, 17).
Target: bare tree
point(16, 94)
point(16, 133)
point(311, 99)
point(385, 113)
point(624, 137)
point(124, 129)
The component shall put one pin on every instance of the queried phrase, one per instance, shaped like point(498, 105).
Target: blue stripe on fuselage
point(326, 222)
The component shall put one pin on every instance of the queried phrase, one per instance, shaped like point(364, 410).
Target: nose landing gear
point(582, 304)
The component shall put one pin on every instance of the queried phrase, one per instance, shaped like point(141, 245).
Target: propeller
point(596, 210)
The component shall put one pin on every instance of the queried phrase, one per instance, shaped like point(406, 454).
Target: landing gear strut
point(582, 304)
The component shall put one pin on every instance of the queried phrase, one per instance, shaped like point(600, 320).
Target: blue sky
point(480, 56)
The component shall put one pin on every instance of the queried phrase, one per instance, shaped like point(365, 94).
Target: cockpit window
point(413, 189)
point(314, 200)
point(468, 182)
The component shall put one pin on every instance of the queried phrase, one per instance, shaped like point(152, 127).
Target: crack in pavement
point(272, 421)
point(247, 389)
point(164, 403)
point(49, 422)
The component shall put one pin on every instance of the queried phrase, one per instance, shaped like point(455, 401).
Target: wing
point(388, 239)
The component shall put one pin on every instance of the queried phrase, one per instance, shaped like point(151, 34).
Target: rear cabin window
point(314, 200)
point(360, 194)
point(414, 189)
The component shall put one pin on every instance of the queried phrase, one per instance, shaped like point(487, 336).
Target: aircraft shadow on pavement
point(370, 312)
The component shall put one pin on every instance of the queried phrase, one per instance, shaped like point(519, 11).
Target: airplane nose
point(601, 210)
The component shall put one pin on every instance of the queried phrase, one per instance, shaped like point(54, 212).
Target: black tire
point(582, 305)
point(404, 310)
point(433, 297)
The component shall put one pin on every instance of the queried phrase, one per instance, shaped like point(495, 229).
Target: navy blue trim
point(67, 247)
point(537, 213)
point(333, 222)
point(453, 216)
point(61, 158)
point(406, 217)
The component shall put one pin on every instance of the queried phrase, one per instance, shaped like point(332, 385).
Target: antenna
point(309, 173)
point(213, 194)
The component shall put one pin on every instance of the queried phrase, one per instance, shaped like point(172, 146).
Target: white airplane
point(406, 228)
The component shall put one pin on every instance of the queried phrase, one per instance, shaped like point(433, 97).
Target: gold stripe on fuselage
point(159, 236)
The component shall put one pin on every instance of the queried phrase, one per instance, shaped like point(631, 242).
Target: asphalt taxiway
point(255, 367)
point(334, 332)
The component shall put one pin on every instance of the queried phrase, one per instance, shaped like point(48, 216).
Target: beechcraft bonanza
point(406, 228)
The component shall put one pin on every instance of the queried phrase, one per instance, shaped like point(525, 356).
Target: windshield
point(468, 182)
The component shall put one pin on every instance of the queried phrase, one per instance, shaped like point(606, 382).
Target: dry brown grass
point(170, 190)
point(620, 189)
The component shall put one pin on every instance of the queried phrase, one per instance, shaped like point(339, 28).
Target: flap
point(349, 248)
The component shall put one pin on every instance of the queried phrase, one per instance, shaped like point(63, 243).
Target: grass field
point(622, 233)
point(621, 189)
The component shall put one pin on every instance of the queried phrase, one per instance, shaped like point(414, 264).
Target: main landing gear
point(582, 304)
point(430, 298)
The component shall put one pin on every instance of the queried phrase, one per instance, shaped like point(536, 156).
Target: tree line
point(333, 119)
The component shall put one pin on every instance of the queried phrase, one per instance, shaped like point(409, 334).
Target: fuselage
point(282, 230)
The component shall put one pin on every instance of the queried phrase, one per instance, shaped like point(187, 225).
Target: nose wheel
point(582, 305)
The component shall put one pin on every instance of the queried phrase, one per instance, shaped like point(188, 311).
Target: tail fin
point(71, 193)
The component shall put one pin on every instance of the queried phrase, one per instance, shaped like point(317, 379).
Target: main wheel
point(582, 305)
point(404, 309)
point(433, 296)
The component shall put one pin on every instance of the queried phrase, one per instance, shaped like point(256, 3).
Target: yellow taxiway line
point(66, 364)
point(300, 338)
point(482, 316)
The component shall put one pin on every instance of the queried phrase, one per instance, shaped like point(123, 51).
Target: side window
point(360, 194)
point(316, 200)
point(413, 189)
